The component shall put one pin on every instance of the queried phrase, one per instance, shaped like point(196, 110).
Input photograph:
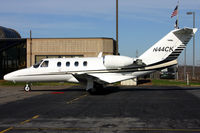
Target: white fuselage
point(64, 69)
point(55, 72)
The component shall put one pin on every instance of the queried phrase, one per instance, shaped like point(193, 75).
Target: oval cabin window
point(76, 63)
point(85, 63)
point(68, 64)
point(59, 64)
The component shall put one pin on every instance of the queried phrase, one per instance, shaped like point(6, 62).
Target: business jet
point(95, 72)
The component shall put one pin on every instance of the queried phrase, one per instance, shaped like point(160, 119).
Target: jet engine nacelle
point(116, 61)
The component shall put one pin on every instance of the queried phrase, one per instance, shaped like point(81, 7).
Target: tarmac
point(70, 109)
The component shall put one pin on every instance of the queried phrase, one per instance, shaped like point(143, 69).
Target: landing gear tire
point(27, 88)
point(92, 91)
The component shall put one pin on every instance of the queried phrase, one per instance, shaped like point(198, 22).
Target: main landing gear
point(95, 89)
point(27, 87)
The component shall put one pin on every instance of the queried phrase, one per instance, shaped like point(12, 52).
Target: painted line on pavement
point(21, 123)
point(26, 121)
point(75, 99)
point(57, 92)
point(6, 130)
point(36, 116)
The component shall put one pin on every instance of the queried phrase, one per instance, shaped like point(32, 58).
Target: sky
point(141, 22)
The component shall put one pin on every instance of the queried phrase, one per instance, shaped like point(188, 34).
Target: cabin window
point(68, 64)
point(45, 64)
point(85, 63)
point(76, 63)
point(59, 64)
point(37, 64)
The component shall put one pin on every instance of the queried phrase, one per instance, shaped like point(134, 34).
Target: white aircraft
point(95, 72)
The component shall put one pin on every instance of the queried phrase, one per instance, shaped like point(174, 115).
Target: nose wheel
point(27, 87)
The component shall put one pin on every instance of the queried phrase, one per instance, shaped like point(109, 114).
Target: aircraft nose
point(8, 77)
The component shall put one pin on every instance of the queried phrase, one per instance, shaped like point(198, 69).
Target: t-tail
point(168, 48)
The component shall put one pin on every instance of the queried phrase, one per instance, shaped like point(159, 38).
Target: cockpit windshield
point(36, 65)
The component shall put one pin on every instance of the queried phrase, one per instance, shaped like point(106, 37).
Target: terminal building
point(17, 53)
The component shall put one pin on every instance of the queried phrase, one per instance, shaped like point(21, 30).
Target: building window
point(85, 63)
point(45, 64)
point(59, 64)
point(76, 63)
point(68, 64)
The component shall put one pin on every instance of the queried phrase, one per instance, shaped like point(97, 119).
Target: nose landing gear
point(27, 87)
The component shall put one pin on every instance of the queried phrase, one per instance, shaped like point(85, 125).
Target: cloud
point(43, 26)
point(62, 7)
point(102, 9)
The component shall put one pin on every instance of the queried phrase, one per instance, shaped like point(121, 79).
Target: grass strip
point(160, 82)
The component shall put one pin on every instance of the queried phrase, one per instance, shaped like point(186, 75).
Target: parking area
point(140, 109)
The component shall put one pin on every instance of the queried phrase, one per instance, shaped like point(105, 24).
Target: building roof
point(8, 33)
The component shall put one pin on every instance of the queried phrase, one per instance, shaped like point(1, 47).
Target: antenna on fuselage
point(100, 54)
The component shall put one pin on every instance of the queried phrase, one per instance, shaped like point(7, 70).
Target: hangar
point(17, 52)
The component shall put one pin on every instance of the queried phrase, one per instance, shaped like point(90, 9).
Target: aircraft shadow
point(115, 89)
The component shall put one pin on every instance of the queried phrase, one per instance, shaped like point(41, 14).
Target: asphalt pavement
point(152, 109)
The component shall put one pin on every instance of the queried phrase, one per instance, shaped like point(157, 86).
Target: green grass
point(156, 82)
point(7, 83)
point(173, 83)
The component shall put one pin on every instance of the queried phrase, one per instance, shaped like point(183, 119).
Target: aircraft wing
point(103, 77)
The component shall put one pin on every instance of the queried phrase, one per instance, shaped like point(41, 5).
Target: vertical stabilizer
point(169, 47)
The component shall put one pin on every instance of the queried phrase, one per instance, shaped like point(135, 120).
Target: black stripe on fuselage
point(122, 70)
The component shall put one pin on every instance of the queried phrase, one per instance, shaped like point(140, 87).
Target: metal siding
point(65, 46)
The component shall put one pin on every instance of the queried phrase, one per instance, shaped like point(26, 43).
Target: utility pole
point(193, 72)
point(193, 68)
point(30, 48)
point(117, 41)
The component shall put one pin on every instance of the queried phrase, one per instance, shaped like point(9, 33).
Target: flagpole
point(177, 26)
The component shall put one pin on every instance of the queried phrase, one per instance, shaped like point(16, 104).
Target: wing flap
point(103, 77)
point(112, 77)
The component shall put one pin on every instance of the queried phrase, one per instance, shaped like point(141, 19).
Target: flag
point(175, 12)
